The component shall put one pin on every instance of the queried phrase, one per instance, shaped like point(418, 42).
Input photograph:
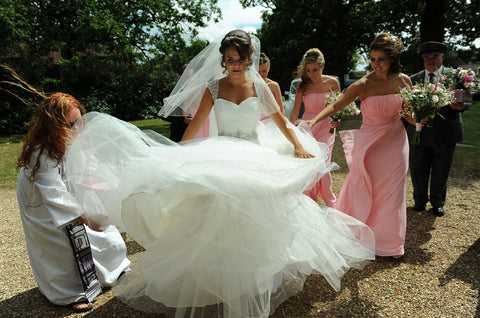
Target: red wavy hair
point(49, 132)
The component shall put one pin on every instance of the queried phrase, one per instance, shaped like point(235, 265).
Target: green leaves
point(122, 57)
point(343, 29)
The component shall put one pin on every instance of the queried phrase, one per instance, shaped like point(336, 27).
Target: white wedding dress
point(225, 225)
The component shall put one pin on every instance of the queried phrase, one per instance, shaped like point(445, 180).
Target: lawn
point(467, 156)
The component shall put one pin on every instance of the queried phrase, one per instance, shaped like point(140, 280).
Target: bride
point(226, 228)
point(236, 97)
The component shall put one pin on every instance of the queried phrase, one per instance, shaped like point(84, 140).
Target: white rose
point(435, 99)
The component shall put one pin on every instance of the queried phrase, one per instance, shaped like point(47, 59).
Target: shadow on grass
point(466, 167)
point(33, 303)
point(317, 290)
point(318, 299)
point(115, 308)
point(419, 226)
point(36, 305)
point(466, 268)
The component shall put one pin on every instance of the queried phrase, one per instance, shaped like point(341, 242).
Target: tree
point(454, 22)
point(342, 28)
point(97, 46)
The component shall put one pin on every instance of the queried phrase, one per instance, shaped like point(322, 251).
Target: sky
point(234, 17)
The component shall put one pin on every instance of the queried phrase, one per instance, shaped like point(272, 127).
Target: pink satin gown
point(204, 130)
point(314, 103)
point(374, 189)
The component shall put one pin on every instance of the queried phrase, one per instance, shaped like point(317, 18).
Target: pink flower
point(467, 78)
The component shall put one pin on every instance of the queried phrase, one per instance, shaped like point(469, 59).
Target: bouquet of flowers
point(463, 81)
point(351, 108)
point(424, 100)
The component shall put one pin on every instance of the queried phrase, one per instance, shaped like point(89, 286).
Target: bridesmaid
point(263, 70)
point(313, 91)
point(377, 153)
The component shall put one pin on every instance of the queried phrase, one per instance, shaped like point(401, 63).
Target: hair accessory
point(231, 37)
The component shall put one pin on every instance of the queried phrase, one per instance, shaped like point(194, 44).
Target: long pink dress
point(377, 156)
point(204, 130)
point(314, 103)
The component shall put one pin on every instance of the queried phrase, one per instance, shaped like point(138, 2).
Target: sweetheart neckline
point(229, 101)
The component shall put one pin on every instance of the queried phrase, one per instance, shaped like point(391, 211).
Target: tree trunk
point(432, 26)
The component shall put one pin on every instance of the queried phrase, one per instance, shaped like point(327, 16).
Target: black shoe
point(439, 211)
point(418, 208)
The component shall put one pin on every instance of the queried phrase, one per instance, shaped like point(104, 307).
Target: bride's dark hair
point(241, 41)
point(392, 46)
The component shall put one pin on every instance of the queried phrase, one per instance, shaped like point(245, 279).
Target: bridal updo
point(311, 56)
point(392, 46)
point(241, 41)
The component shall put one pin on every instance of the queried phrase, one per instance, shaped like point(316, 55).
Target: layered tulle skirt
point(226, 229)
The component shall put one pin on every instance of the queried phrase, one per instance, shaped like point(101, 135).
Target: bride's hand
point(310, 123)
point(302, 153)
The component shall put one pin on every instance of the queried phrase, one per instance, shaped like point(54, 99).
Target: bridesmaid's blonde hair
point(313, 55)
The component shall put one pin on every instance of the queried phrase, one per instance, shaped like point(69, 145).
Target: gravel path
point(439, 275)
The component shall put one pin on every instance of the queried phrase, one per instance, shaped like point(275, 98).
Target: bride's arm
point(270, 106)
point(281, 122)
point(200, 117)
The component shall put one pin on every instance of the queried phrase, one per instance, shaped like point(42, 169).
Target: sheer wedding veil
point(206, 67)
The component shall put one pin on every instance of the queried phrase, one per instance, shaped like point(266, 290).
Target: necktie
point(431, 77)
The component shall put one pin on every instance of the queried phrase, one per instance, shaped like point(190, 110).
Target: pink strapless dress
point(374, 189)
point(204, 130)
point(314, 103)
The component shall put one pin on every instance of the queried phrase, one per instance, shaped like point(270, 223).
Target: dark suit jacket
point(446, 130)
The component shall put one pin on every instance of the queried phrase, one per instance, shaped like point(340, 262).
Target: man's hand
point(456, 106)
point(335, 124)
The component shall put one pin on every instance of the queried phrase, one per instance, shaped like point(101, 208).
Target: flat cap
point(432, 48)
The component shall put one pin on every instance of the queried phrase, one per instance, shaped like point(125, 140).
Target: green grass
point(471, 125)
point(10, 149)
point(158, 125)
point(467, 154)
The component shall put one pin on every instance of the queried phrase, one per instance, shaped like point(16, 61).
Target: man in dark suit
point(433, 157)
point(178, 120)
point(178, 124)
